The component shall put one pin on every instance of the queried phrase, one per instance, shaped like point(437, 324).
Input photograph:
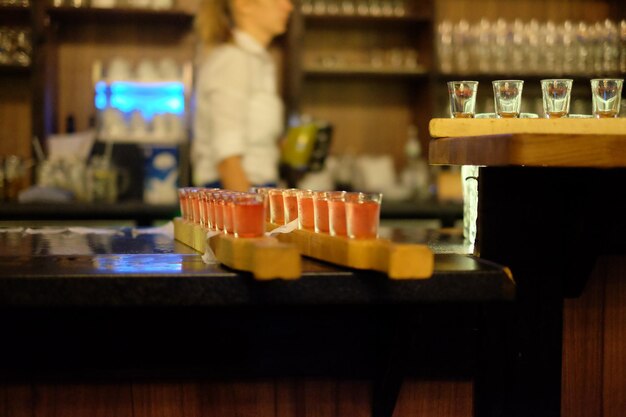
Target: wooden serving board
point(397, 260)
point(525, 149)
point(266, 258)
point(446, 128)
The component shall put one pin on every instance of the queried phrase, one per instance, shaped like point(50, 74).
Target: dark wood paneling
point(435, 398)
point(582, 349)
point(16, 400)
point(614, 370)
point(158, 400)
point(82, 400)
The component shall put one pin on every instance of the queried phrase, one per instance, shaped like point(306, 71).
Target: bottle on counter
point(416, 175)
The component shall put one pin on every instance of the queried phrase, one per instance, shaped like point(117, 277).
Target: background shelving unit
point(15, 92)
point(371, 108)
point(370, 105)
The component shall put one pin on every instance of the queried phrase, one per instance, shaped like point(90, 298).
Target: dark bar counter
point(86, 308)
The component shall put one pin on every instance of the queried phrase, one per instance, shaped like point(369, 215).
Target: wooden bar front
point(552, 207)
point(130, 324)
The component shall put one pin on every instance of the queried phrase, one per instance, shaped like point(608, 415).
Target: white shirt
point(238, 112)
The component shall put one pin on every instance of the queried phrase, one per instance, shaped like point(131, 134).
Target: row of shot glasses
point(606, 96)
point(339, 213)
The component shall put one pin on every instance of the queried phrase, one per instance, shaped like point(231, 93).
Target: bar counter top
point(128, 267)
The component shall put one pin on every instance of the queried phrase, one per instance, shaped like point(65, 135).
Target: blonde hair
point(214, 22)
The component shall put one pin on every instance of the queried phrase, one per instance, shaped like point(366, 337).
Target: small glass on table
point(462, 98)
point(606, 96)
point(556, 97)
point(363, 215)
point(277, 206)
point(249, 215)
point(290, 203)
point(320, 211)
point(306, 216)
point(337, 213)
point(507, 96)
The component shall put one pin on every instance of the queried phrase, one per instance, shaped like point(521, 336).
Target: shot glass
point(337, 213)
point(218, 203)
point(194, 203)
point(182, 201)
point(202, 204)
point(363, 215)
point(277, 206)
point(507, 96)
point(249, 215)
point(264, 191)
point(556, 97)
point(207, 211)
point(228, 206)
point(320, 211)
point(290, 202)
point(213, 195)
point(606, 95)
point(462, 98)
point(306, 216)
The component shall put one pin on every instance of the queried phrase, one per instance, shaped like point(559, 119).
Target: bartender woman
point(239, 116)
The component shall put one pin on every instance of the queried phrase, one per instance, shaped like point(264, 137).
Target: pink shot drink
point(306, 215)
point(263, 191)
point(249, 217)
point(202, 204)
point(195, 205)
point(337, 218)
point(362, 219)
point(290, 201)
point(228, 207)
point(182, 202)
point(219, 213)
point(277, 207)
point(320, 211)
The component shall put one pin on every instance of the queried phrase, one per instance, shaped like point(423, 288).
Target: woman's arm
point(232, 174)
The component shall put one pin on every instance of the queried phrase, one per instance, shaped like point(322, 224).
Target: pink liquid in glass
point(182, 201)
point(195, 207)
point(277, 208)
point(362, 219)
point(210, 212)
point(202, 203)
point(184, 204)
point(306, 219)
point(249, 219)
point(291, 208)
point(219, 215)
point(337, 218)
point(321, 215)
point(228, 208)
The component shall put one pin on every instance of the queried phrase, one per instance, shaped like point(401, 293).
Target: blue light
point(149, 98)
point(101, 101)
point(140, 264)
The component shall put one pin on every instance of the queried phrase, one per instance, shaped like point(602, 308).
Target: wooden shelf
point(315, 71)
point(357, 19)
point(76, 15)
point(485, 77)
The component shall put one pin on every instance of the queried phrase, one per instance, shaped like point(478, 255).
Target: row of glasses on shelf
point(531, 47)
point(374, 8)
point(14, 3)
point(15, 46)
point(142, 4)
point(606, 96)
point(378, 59)
point(339, 213)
